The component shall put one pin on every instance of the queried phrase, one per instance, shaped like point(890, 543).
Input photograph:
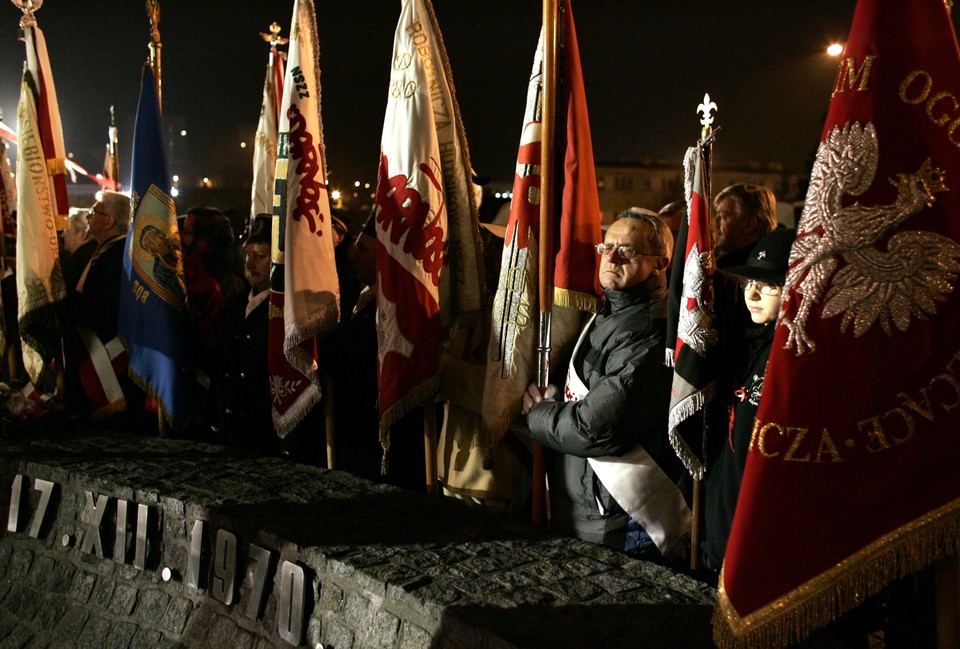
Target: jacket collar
point(654, 290)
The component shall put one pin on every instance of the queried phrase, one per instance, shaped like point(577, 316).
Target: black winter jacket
point(622, 364)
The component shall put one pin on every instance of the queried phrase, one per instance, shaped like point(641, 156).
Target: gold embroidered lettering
point(952, 382)
point(908, 82)
point(907, 419)
point(955, 359)
point(925, 410)
point(826, 444)
point(944, 117)
point(874, 431)
point(799, 434)
point(762, 437)
point(856, 79)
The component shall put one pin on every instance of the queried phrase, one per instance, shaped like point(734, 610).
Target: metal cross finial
point(27, 7)
point(274, 37)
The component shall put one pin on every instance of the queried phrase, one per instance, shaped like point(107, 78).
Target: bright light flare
point(835, 49)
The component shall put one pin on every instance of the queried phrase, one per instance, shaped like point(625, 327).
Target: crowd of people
point(604, 420)
point(610, 402)
point(613, 477)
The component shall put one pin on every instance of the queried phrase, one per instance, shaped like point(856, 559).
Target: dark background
point(646, 65)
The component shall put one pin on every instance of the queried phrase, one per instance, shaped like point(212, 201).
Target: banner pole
point(329, 419)
point(430, 446)
point(546, 254)
point(705, 146)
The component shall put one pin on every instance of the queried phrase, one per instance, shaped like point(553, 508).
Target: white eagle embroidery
point(694, 327)
point(887, 282)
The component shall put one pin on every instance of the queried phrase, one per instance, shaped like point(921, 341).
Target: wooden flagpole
point(546, 254)
point(329, 419)
point(430, 446)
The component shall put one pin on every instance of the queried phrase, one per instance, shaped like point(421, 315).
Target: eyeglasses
point(763, 288)
point(624, 252)
point(97, 213)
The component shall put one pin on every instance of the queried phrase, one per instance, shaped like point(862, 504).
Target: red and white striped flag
point(304, 291)
point(425, 218)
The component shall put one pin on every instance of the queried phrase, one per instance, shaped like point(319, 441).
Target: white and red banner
point(851, 479)
point(304, 290)
point(690, 331)
point(265, 146)
point(48, 118)
point(428, 269)
point(512, 364)
point(40, 287)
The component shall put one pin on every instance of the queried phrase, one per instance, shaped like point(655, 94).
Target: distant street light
point(835, 49)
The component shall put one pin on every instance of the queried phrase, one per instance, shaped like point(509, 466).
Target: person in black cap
point(242, 379)
point(761, 278)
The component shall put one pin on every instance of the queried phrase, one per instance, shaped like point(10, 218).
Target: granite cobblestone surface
point(383, 567)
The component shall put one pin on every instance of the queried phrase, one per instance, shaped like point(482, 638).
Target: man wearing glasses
point(99, 364)
point(612, 481)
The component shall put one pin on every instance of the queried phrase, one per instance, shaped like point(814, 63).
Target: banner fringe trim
point(681, 412)
point(393, 414)
point(824, 598)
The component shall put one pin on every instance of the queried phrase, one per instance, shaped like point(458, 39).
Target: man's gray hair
point(116, 205)
point(756, 202)
point(78, 219)
point(659, 236)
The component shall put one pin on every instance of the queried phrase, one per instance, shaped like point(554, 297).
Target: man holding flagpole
point(615, 470)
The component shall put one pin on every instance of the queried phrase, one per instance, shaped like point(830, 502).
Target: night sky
point(646, 68)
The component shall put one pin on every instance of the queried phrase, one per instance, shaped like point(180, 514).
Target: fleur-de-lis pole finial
point(706, 110)
point(28, 7)
point(274, 37)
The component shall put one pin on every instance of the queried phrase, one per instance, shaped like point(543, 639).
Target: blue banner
point(152, 293)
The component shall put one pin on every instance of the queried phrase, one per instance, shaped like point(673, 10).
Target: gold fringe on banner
point(568, 299)
point(823, 599)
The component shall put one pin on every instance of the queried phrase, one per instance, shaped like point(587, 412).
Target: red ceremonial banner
point(851, 480)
